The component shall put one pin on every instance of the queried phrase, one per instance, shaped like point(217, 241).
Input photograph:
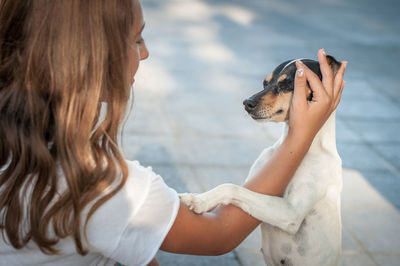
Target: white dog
point(304, 226)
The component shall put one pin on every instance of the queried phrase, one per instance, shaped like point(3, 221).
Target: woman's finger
point(300, 84)
point(326, 71)
point(339, 78)
point(339, 96)
point(314, 81)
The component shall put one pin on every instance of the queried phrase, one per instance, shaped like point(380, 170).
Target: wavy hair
point(59, 60)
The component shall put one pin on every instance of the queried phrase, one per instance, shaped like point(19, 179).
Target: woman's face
point(137, 47)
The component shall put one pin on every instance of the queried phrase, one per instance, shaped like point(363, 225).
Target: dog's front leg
point(285, 213)
point(206, 201)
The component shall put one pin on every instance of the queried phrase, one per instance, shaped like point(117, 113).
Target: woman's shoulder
point(141, 178)
point(141, 212)
point(138, 171)
point(142, 187)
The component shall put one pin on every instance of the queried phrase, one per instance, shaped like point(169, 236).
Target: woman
point(67, 196)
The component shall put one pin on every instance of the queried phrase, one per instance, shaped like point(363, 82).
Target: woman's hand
point(307, 117)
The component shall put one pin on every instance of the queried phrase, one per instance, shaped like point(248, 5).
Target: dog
point(304, 226)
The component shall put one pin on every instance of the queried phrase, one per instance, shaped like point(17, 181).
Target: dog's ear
point(335, 65)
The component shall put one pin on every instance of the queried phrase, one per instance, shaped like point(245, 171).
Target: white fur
point(304, 226)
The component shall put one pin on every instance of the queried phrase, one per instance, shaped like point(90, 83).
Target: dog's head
point(273, 102)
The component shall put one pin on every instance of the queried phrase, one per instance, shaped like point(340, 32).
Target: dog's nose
point(249, 104)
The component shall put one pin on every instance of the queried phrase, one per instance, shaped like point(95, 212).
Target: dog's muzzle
point(250, 105)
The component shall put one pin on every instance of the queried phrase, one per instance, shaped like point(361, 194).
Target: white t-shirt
point(128, 228)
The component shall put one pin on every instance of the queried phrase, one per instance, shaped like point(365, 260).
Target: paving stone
point(174, 175)
point(360, 156)
point(387, 259)
point(169, 259)
point(344, 133)
point(376, 131)
point(218, 125)
point(210, 177)
point(143, 123)
point(374, 234)
point(155, 149)
point(386, 183)
point(224, 152)
point(374, 109)
point(357, 259)
point(364, 195)
point(369, 218)
point(191, 100)
point(349, 244)
point(358, 88)
point(388, 85)
point(390, 152)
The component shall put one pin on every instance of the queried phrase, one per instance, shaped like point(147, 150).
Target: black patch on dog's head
point(288, 69)
point(273, 102)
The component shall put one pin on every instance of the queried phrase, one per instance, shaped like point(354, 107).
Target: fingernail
point(300, 72)
point(323, 51)
point(345, 64)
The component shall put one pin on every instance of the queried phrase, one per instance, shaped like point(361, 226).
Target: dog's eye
point(282, 85)
point(285, 85)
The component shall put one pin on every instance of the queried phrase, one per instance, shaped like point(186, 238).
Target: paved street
point(207, 56)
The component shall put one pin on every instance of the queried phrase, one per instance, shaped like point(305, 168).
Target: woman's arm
point(221, 230)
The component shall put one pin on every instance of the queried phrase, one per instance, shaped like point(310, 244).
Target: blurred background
point(207, 56)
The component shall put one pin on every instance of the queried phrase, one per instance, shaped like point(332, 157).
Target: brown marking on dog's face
point(281, 78)
point(273, 107)
point(268, 78)
point(267, 101)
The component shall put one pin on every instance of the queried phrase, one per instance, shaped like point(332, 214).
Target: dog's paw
point(194, 202)
point(188, 199)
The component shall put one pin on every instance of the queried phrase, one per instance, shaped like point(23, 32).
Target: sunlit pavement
point(207, 56)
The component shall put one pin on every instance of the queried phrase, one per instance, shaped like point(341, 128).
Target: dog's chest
point(319, 237)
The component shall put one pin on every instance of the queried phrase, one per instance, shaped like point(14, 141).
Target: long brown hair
point(58, 61)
